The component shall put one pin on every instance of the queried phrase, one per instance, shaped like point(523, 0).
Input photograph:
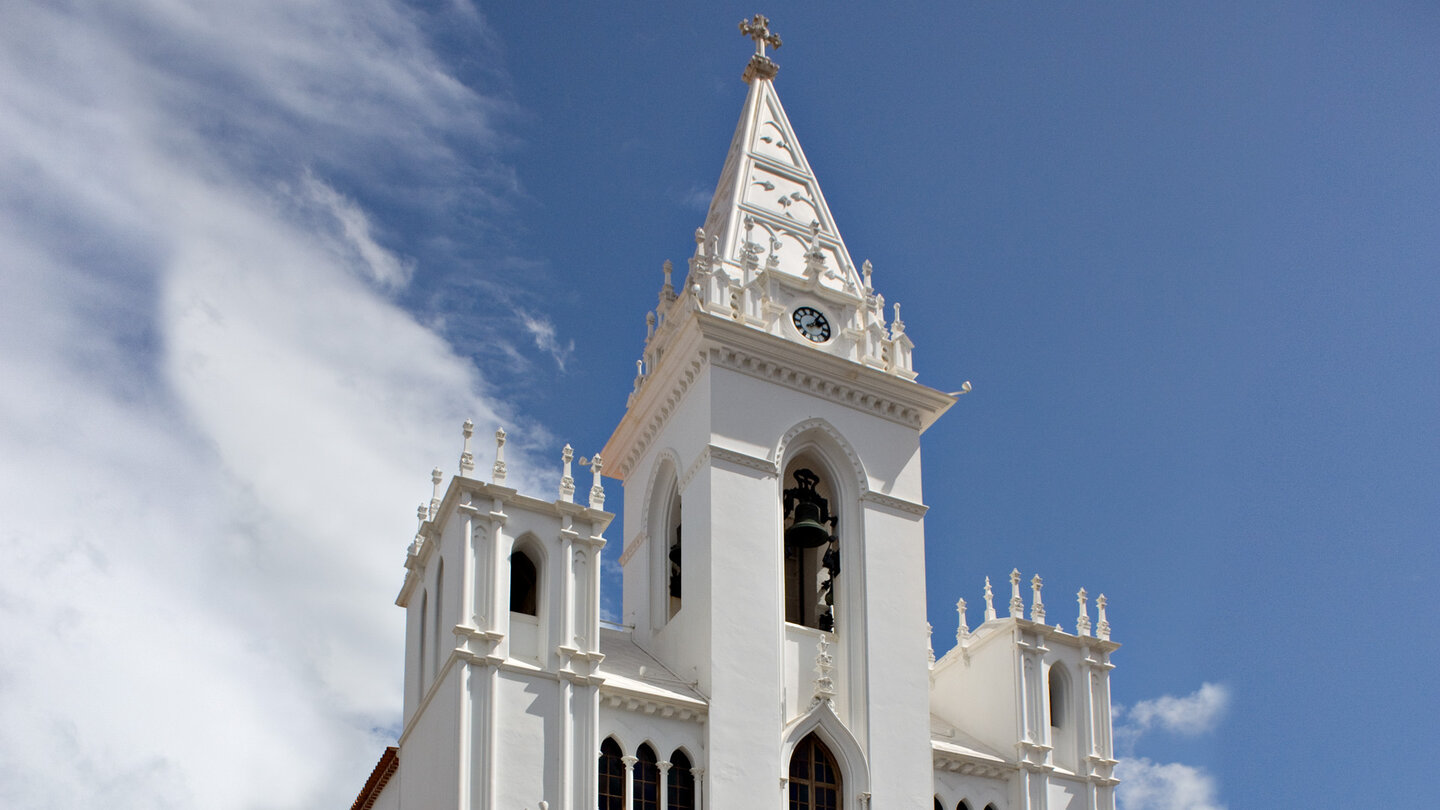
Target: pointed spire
point(989, 601)
point(930, 641)
point(1082, 622)
point(567, 483)
point(497, 472)
point(963, 630)
point(467, 458)
point(1037, 607)
point(1017, 605)
point(1102, 626)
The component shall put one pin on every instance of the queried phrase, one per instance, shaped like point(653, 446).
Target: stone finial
point(649, 326)
point(824, 684)
point(435, 478)
point(963, 630)
point(989, 601)
point(639, 373)
point(1102, 626)
point(667, 290)
point(422, 513)
point(930, 641)
point(773, 261)
point(597, 492)
point(749, 250)
point(865, 270)
point(1037, 607)
point(898, 326)
point(467, 458)
point(1082, 622)
point(497, 472)
point(1017, 605)
point(567, 482)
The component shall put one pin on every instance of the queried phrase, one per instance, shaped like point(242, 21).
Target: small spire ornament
point(435, 478)
point(1082, 622)
point(989, 601)
point(1017, 605)
point(467, 458)
point(930, 641)
point(667, 291)
point(597, 492)
point(497, 472)
point(1102, 626)
point(963, 631)
point(1037, 607)
point(567, 482)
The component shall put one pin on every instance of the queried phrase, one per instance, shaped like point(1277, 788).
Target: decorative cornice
point(897, 504)
point(642, 703)
point(967, 765)
point(817, 384)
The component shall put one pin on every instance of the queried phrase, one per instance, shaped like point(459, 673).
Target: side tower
point(773, 507)
point(502, 643)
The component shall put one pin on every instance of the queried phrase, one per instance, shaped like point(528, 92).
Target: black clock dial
point(812, 324)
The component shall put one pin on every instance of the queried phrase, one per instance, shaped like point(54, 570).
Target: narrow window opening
point(647, 780)
point(963, 805)
point(672, 534)
point(682, 783)
point(612, 775)
point(439, 611)
point(523, 585)
point(420, 659)
point(1058, 697)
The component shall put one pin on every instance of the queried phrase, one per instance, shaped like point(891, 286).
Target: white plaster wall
point(1065, 794)
point(978, 791)
point(389, 798)
point(430, 752)
point(527, 758)
point(980, 696)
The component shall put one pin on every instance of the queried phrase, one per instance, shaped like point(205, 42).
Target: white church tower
point(773, 650)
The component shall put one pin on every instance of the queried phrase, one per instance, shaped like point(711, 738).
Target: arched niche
point(527, 594)
point(1060, 694)
point(817, 581)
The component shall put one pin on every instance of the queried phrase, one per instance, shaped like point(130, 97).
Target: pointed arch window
point(938, 805)
point(964, 805)
point(612, 775)
point(524, 584)
point(814, 777)
point(647, 779)
point(681, 794)
point(991, 806)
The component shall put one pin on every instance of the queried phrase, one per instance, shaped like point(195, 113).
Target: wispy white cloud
point(543, 332)
point(215, 419)
point(1191, 714)
point(1149, 785)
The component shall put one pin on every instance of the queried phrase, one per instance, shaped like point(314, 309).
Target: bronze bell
point(807, 531)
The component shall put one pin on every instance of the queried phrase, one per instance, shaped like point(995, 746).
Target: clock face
point(812, 324)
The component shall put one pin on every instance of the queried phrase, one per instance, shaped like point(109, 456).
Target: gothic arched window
point(612, 776)
point(991, 806)
point(682, 783)
point(672, 555)
point(647, 780)
point(814, 777)
point(938, 805)
point(524, 584)
point(963, 805)
point(1059, 695)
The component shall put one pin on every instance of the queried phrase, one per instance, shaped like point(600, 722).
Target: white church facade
point(773, 650)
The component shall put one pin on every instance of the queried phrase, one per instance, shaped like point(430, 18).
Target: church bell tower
point(773, 549)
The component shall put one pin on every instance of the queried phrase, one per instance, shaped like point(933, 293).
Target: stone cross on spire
point(760, 66)
point(758, 29)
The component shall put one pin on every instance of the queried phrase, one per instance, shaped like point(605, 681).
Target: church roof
point(629, 669)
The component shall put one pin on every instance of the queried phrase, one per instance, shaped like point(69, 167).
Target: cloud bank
point(1150, 785)
point(216, 414)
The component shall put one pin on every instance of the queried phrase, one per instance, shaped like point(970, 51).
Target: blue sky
point(260, 262)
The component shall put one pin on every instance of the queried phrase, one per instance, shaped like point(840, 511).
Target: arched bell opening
point(812, 546)
point(664, 526)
